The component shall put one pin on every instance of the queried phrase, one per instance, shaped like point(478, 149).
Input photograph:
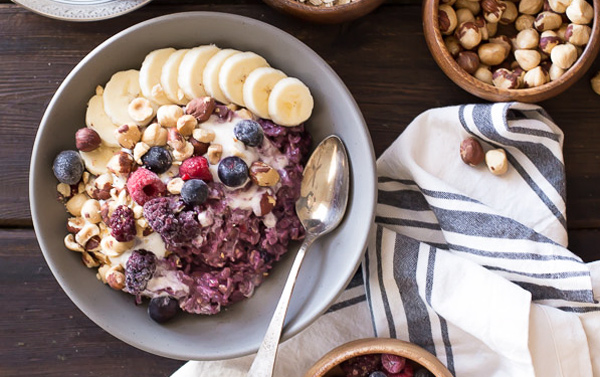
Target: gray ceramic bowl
point(237, 331)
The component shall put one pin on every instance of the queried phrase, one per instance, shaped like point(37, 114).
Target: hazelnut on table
point(471, 151)
point(596, 83)
point(496, 161)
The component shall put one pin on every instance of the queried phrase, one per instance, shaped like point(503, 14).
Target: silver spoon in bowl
point(320, 208)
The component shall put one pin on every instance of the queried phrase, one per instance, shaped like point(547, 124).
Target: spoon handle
point(264, 362)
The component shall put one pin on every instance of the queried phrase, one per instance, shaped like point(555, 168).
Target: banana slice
point(290, 102)
point(96, 160)
point(191, 69)
point(122, 88)
point(233, 74)
point(210, 76)
point(258, 86)
point(168, 78)
point(150, 75)
point(96, 119)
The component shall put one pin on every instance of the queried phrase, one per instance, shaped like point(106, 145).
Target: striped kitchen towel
point(472, 266)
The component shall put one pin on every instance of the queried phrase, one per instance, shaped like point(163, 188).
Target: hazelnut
point(555, 72)
point(267, 202)
point(102, 185)
point(186, 124)
point(74, 224)
point(482, 25)
point(473, 6)
point(548, 40)
point(464, 15)
point(492, 53)
point(528, 59)
point(471, 151)
point(167, 115)
point(547, 21)
point(447, 19)
point(90, 211)
point(496, 161)
point(64, 190)
point(115, 279)
point(214, 153)
point(468, 60)
point(561, 31)
point(141, 110)
point(559, 6)
point(70, 243)
point(93, 244)
point(493, 10)
point(535, 77)
point(524, 21)
point(564, 55)
point(127, 135)
point(504, 41)
point(449, 2)
point(468, 35)
point(203, 135)
point(578, 35)
point(510, 14)
point(263, 174)
point(88, 260)
point(184, 153)
point(527, 39)
point(87, 140)
point(200, 148)
point(175, 139)
point(201, 108)
point(88, 231)
point(139, 151)
point(492, 29)
point(155, 136)
point(484, 74)
point(580, 12)
point(245, 114)
point(530, 7)
point(174, 186)
point(74, 204)
point(596, 83)
point(505, 79)
point(452, 45)
point(113, 248)
point(120, 164)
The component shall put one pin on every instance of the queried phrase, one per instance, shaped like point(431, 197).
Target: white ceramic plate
point(81, 10)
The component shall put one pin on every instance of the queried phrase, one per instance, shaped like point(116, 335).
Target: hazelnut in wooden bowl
point(525, 51)
point(326, 11)
point(378, 357)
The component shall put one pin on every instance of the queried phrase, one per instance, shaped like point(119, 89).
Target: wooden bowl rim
point(377, 345)
point(448, 64)
point(329, 10)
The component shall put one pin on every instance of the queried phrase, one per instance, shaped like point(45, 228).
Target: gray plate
point(332, 260)
point(81, 10)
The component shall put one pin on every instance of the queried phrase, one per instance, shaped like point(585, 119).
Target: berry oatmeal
point(181, 198)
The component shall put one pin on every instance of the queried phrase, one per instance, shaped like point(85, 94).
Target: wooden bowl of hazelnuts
point(505, 50)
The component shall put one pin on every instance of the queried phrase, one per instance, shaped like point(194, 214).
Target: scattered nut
point(115, 279)
point(596, 83)
point(139, 151)
point(200, 148)
point(155, 136)
point(580, 12)
point(267, 202)
point(74, 204)
point(93, 244)
point(120, 164)
point(167, 115)
point(203, 135)
point(175, 139)
point(578, 35)
point(74, 224)
point(496, 161)
point(447, 19)
point(484, 73)
point(64, 190)
point(214, 153)
point(141, 110)
point(201, 108)
point(505, 79)
point(87, 140)
point(535, 77)
point(263, 174)
point(530, 7)
point(113, 248)
point(186, 124)
point(528, 59)
point(70, 243)
point(88, 260)
point(564, 55)
point(468, 35)
point(90, 211)
point(468, 60)
point(127, 135)
point(174, 186)
point(524, 21)
point(492, 53)
point(471, 151)
point(184, 153)
point(102, 185)
point(547, 21)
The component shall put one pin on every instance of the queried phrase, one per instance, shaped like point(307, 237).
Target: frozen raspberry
point(139, 269)
point(393, 363)
point(144, 185)
point(406, 372)
point(122, 224)
point(196, 167)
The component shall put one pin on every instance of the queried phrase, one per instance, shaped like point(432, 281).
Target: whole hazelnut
point(528, 59)
point(468, 60)
point(492, 29)
point(547, 21)
point(580, 12)
point(504, 41)
point(524, 21)
point(493, 10)
point(578, 35)
point(141, 110)
point(530, 7)
point(505, 79)
point(452, 45)
point(447, 19)
point(535, 77)
point(473, 6)
point(127, 135)
point(496, 161)
point(555, 72)
point(449, 2)
point(186, 124)
point(596, 83)
point(120, 164)
point(484, 73)
point(200, 148)
point(468, 35)
point(482, 25)
point(559, 6)
point(263, 174)
point(548, 40)
point(201, 108)
point(471, 151)
point(87, 140)
point(492, 53)
point(528, 39)
point(167, 115)
point(561, 31)
point(510, 14)
point(564, 55)
point(464, 15)
point(155, 136)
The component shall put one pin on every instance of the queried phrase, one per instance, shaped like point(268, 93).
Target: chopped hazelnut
point(468, 35)
point(578, 35)
point(184, 153)
point(90, 211)
point(175, 139)
point(496, 161)
point(70, 243)
point(139, 151)
point(564, 55)
point(186, 124)
point(484, 74)
point(468, 60)
point(174, 186)
point(580, 12)
point(524, 21)
point(491, 53)
point(214, 153)
point(505, 79)
point(88, 231)
point(528, 39)
point(535, 77)
point(204, 135)
point(547, 21)
point(155, 136)
point(528, 59)
point(167, 115)
point(510, 13)
point(447, 19)
point(263, 174)
point(200, 148)
point(530, 7)
point(127, 135)
point(120, 164)
point(548, 40)
point(596, 83)
point(88, 260)
point(74, 204)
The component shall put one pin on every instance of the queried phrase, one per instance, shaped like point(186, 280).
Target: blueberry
point(162, 308)
point(68, 167)
point(194, 191)
point(377, 374)
point(249, 132)
point(157, 160)
point(232, 171)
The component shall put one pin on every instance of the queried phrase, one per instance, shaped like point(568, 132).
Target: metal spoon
point(320, 208)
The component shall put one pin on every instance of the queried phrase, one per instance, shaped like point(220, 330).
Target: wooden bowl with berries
point(378, 357)
point(526, 51)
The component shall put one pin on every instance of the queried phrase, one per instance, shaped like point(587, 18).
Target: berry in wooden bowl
point(326, 11)
point(505, 51)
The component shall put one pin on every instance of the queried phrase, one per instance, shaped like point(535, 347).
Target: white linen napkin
point(472, 267)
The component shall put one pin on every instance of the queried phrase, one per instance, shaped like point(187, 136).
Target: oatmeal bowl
point(163, 183)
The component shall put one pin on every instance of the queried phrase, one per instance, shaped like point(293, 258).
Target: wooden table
point(383, 60)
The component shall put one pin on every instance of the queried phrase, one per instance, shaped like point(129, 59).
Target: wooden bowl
point(326, 366)
point(435, 42)
point(325, 15)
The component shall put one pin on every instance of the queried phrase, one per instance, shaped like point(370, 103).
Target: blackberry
point(138, 270)
point(249, 132)
point(165, 216)
point(163, 308)
point(68, 167)
point(194, 191)
point(122, 224)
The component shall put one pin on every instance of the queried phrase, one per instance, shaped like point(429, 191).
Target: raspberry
point(138, 270)
point(144, 185)
point(196, 167)
point(122, 224)
point(393, 363)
